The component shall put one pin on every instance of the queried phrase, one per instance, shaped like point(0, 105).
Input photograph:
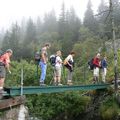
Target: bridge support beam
point(14, 109)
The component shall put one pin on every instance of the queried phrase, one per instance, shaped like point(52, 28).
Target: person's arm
point(67, 61)
point(8, 68)
point(7, 63)
point(59, 60)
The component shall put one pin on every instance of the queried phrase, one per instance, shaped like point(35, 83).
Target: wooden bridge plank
point(7, 103)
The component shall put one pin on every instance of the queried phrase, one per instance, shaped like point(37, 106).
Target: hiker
point(57, 68)
point(4, 64)
point(97, 65)
point(43, 63)
point(69, 64)
point(104, 68)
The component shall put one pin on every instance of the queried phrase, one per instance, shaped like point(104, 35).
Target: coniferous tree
point(116, 14)
point(89, 19)
point(12, 40)
point(30, 41)
point(103, 19)
point(50, 22)
point(6, 41)
point(62, 22)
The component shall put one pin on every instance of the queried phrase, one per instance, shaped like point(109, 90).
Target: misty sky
point(15, 10)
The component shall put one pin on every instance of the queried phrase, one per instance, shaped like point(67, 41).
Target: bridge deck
point(14, 91)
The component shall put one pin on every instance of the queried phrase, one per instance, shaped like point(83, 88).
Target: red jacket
point(96, 62)
point(5, 59)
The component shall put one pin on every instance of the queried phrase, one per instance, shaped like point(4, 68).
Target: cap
point(98, 54)
point(9, 50)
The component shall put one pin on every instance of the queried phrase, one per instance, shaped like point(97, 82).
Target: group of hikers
point(97, 64)
point(68, 62)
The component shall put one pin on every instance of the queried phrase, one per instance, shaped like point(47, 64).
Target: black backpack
point(37, 56)
point(53, 60)
point(90, 63)
point(2, 53)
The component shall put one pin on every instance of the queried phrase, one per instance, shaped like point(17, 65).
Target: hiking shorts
point(2, 71)
point(57, 72)
point(96, 72)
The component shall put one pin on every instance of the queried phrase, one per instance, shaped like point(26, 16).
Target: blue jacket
point(104, 63)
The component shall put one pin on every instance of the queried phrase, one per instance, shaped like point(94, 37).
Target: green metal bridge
point(16, 91)
point(15, 96)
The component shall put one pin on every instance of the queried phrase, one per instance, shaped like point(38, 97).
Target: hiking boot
point(42, 84)
point(60, 84)
point(55, 83)
point(69, 82)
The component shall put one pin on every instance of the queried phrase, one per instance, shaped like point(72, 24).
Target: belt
point(2, 64)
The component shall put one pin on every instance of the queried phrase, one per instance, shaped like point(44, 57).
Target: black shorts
point(2, 71)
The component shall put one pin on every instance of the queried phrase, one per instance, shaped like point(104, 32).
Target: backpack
point(53, 60)
point(90, 63)
point(37, 56)
point(2, 53)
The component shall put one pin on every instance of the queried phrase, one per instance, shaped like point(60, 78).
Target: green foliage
point(109, 109)
point(29, 74)
point(65, 34)
point(61, 106)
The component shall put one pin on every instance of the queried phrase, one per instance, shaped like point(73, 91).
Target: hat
point(9, 50)
point(98, 54)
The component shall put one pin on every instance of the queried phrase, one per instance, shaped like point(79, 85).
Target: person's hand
point(9, 72)
point(45, 62)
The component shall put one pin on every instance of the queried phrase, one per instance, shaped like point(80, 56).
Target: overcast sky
point(15, 10)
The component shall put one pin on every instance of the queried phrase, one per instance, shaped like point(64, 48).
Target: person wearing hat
point(97, 65)
point(4, 64)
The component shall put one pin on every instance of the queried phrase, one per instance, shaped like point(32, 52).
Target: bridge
point(16, 95)
point(16, 91)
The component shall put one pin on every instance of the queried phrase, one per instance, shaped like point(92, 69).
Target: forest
point(67, 33)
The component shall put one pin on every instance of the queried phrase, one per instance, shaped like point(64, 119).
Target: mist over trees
point(63, 32)
point(67, 32)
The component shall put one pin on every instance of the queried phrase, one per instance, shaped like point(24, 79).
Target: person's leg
point(104, 72)
point(96, 75)
point(55, 76)
point(103, 75)
point(2, 76)
point(59, 76)
point(2, 83)
point(69, 78)
point(2, 79)
point(43, 72)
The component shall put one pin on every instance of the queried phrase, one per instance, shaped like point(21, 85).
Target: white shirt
point(70, 58)
point(58, 62)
